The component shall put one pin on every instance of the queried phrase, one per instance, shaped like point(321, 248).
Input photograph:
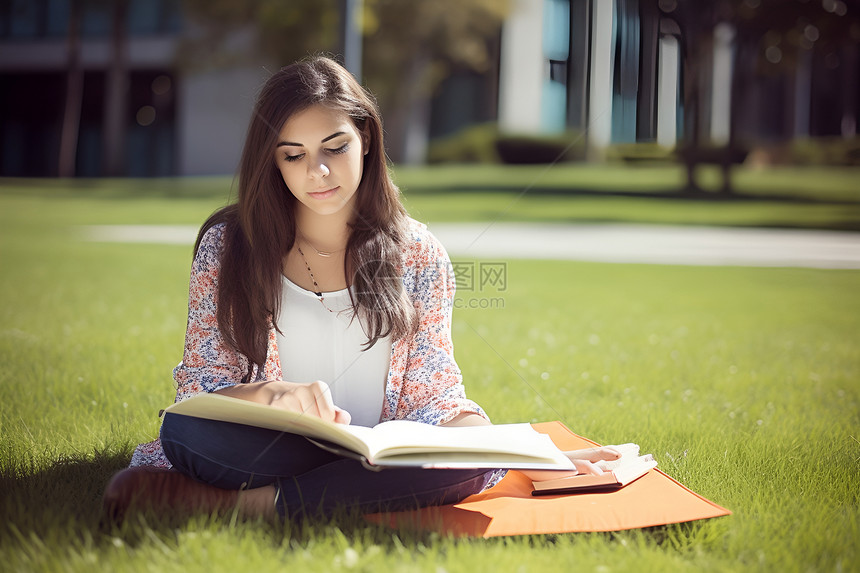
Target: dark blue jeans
point(308, 479)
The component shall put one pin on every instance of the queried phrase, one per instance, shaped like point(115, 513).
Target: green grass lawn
point(826, 198)
point(742, 382)
point(811, 197)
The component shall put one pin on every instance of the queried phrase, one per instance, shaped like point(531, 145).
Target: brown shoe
point(162, 491)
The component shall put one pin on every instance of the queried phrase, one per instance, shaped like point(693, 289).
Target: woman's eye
point(336, 151)
point(342, 149)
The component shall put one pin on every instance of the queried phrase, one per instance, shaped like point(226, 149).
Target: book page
point(517, 441)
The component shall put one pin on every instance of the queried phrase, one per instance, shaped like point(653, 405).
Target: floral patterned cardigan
point(424, 383)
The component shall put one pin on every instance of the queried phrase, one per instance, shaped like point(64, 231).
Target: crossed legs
point(285, 473)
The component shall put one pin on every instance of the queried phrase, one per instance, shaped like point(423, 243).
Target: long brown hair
point(260, 228)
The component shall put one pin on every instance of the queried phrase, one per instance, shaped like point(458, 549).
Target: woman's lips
point(324, 194)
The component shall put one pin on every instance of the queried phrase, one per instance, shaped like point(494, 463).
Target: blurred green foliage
point(475, 144)
point(518, 149)
point(484, 143)
point(643, 152)
point(823, 151)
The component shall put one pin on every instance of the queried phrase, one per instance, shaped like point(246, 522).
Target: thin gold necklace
point(318, 290)
point(319, 252)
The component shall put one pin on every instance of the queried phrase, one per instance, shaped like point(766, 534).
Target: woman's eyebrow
point(333, 135)
point(292, 144)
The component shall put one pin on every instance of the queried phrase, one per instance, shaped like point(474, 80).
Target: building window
point(34, 19)
point(153, 17)
point(556, 49)
point(23, 18)
point(625, 82)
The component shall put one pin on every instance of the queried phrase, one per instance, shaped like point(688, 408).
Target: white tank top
point(315, 344)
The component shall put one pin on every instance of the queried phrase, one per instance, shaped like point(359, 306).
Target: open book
point(626, 469)
point(395, 443)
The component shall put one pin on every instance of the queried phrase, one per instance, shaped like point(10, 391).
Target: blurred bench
point(723, 157)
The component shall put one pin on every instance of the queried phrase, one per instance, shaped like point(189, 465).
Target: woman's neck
point(323, 232)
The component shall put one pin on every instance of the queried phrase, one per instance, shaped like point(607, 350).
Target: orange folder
point(508, 508)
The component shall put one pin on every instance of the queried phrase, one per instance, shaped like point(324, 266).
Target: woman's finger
point(307, 401)
point(322, 398)
point(314, 399)
point(586, 467)
point(287, 401)
point(342, 416)
point(594, 454)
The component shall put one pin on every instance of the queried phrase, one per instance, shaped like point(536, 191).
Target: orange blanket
point(510, 509)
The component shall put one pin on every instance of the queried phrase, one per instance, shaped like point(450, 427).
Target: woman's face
point(320, 155)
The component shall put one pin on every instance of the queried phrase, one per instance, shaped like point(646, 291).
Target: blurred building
point(625, 70)
point(612, 67)
point(115, 92)
point(165, 118)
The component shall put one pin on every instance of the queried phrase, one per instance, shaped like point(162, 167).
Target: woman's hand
point(583, 460)
point(314, 398)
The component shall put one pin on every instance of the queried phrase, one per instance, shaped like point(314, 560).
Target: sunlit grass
point(810, 197)
point(743, 382)
point(824, 198)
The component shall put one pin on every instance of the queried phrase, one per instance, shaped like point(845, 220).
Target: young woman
point(315, 293)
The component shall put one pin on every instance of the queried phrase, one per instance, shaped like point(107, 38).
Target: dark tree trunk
point(116, 94)
point(74, 96)
point(848, 126)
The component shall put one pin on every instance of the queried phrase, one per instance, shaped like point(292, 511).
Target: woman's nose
point(321, 170)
